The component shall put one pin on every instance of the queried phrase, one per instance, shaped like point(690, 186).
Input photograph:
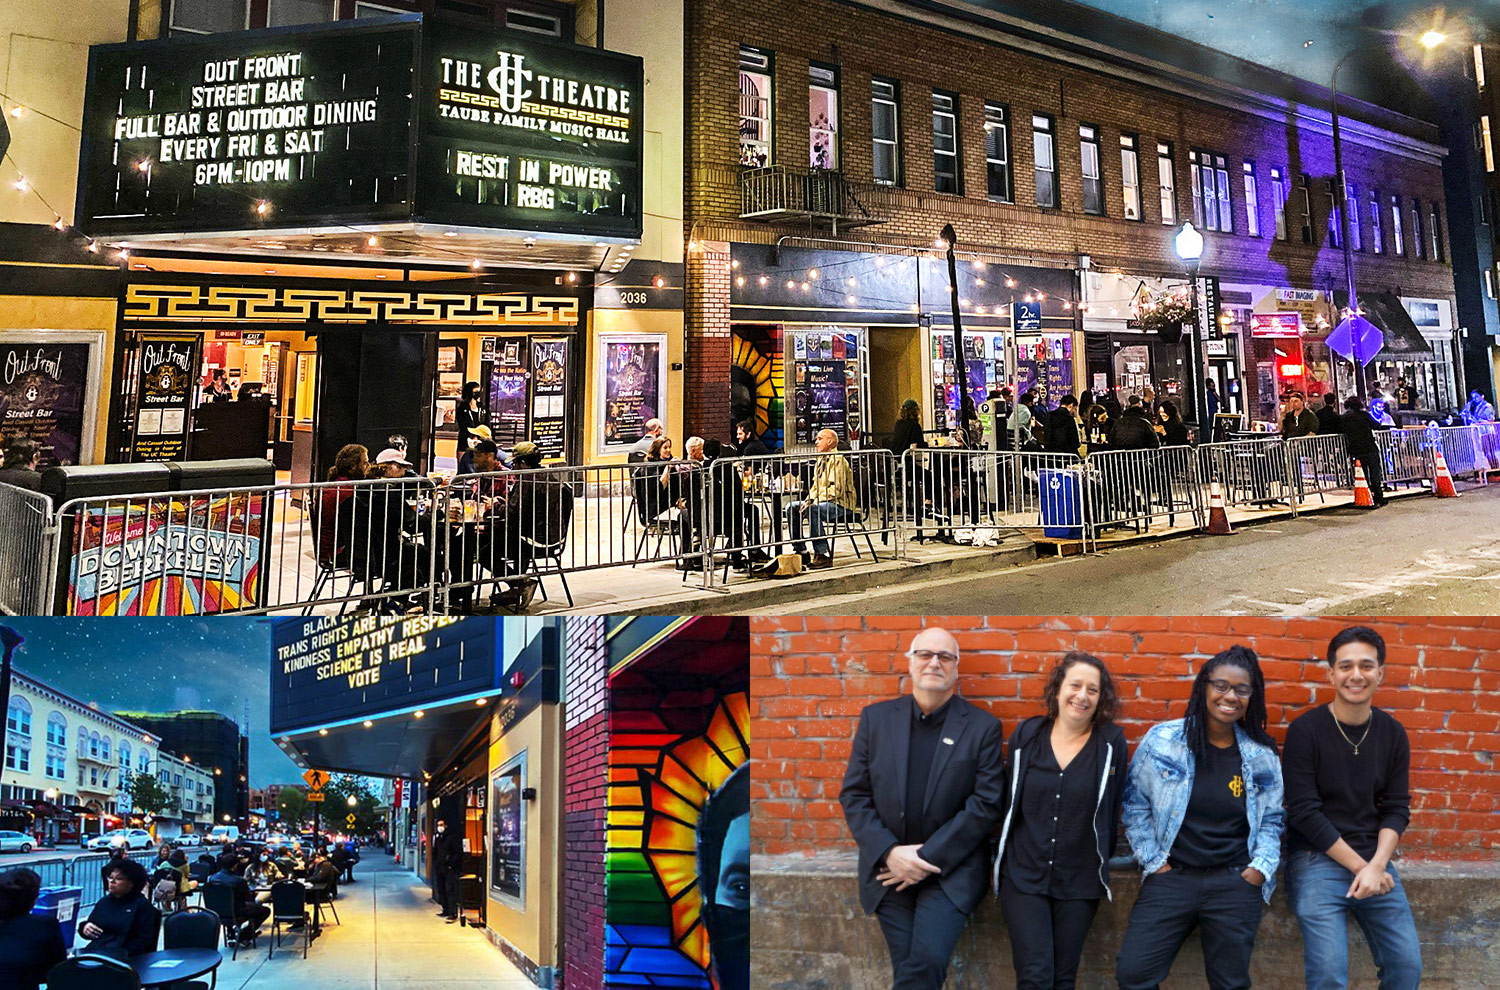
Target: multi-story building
point(215, 744)
point(67, 763)
point(829, 144)
point(191, 789)
point(1474, 116)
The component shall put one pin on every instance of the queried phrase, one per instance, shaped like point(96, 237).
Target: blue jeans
point(819, 515)
point(1316, 885)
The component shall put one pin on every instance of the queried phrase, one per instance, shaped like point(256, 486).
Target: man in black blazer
point(1359, 440)
point(923, 790)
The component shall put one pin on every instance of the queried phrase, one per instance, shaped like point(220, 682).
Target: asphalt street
point(1417, 556)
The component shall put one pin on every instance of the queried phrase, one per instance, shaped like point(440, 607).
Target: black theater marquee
point(384, 121)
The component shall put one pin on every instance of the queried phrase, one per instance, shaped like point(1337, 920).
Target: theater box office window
point(358, 190)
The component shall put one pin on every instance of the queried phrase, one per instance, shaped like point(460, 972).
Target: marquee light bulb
point(735, 263)
point(806, 287)
point(1010, 283)
point(144, 165)
point(812, 273)
point(765, 280)
point(1028, 297)
point(979, 281)
point(692, 245)
point(263, 207)
point(659, 282)
point(790, 284)
point(1040, 296)
point(22, 184)
point(373, 241)
point(18, 111)
point(849, 300)
point(852, 280)
point(60, 225)
point(739, 281)
point(418, 713)
point(476, 264)
point(572, 276)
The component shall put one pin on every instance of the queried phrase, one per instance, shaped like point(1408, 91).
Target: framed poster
point(44, 384)
point(452, 365)
point(633, 371)
point(549, 397)
point(166, 369)
point(508, 831)
point(508, 393)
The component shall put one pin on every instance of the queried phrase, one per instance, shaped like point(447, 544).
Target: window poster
point(508, 829)
point(826, 385)
point(42, 390)
point(166, 366)
point(452, 362)
point(634, 388)
point(549, 394)
point(1045, 366)
point(508, 402)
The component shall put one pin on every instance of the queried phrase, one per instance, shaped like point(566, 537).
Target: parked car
point(188, 839)
point(130, 838)
point(16, 842)
point(224, 834)
point(276, 840)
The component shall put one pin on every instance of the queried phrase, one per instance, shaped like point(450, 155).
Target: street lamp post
point(1189, 244)
point(960, 364)
point(1429, 40)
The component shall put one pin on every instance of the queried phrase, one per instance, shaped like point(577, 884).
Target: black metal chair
point(219, 898)
point(91, 972)
point(289, 906)
point(191, 928)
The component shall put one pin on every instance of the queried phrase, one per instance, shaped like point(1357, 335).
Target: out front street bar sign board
point(329, 670)
point(346, 124)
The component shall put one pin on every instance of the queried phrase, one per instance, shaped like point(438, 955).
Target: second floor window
point(1418, 246)
point(945, 142)
point(1130, 175)
point(885, 130)
point(1351, 203)
point(1396, 239)
point(1377, 239)
point(1304, 195)
point(1278, 202)
point(1210, 178)
point(997, 152)
point(209, 16)
point(823, 116)
point(283, 12)
point(1252, 201)
point(1044, 161)
point(1088, 159)
point(1165, 172)
point(755, 106)
point(1435, 231)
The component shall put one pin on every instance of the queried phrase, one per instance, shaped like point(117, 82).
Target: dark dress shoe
point(820, 563)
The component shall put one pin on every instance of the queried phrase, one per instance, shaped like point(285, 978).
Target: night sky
point(212, 664)
point(1273, 32)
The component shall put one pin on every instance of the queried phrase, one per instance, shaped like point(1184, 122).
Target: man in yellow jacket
point(830, 498)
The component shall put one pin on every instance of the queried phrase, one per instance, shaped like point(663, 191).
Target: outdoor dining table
point(315, 905)
point(158, 969)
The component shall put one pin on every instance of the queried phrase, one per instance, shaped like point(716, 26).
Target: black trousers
point(444, 896)
point(1222, 905)
point(921, 928)
point(1371, 462)
point(1046, 937)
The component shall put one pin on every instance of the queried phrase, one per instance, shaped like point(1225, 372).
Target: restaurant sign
point(381, 120)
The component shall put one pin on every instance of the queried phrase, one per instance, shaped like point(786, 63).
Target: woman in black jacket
point(1066, 773)
point(30, 944)
point(907, 432)
point(123, 923)
point(1174, 432)
point(469, 414)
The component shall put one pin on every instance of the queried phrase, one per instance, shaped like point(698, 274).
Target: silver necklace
point(1338, 725)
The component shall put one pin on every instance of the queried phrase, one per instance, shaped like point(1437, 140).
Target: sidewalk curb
point(744, 596)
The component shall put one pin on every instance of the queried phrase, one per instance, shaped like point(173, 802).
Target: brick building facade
point(810, 678)
point(585, 741)
point(820, 251)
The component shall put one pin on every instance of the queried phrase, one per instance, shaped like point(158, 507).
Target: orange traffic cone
point(1362, 496)
point(1442, 485)
point(1218, 519)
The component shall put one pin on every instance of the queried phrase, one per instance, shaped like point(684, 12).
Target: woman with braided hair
point(1203, 813)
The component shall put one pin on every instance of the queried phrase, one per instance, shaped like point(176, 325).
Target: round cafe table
point(157, 969)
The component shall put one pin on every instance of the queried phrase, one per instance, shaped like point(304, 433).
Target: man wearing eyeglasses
point(922, 792)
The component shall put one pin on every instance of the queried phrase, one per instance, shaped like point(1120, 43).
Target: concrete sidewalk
point(390, 938)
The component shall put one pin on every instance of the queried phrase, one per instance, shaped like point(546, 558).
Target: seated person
point(246, 908)
point(466, 461)
point(323, 881)
point(123, 923)
point(683, 485)
point(830, 498)
point(30, 944)
point(735, 517)
point(382, 516)
point(263, 872)
point(532, 516)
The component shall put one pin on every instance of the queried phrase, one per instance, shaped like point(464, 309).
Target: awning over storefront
point(1403, 341)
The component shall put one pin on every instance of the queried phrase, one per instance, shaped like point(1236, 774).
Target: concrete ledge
point(809, 933)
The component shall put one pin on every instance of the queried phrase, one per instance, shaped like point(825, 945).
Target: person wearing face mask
point(1203, 816)
point(447, 865)
point(262, 872)
point(724, 875)
point(1065, 772)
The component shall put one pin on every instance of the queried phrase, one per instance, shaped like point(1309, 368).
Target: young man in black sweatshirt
point(1346, 766)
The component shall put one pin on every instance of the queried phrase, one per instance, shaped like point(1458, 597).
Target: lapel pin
point(948, 741)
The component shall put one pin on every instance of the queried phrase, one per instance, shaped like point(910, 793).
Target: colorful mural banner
point(677, 867)
point(193, 555)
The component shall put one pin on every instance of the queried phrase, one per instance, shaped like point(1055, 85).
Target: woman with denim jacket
point(1204, 818)
point(1066, 771)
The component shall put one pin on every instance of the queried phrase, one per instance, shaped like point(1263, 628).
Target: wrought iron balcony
point(778, 193)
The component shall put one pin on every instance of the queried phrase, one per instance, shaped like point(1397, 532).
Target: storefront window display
point(1045, 365)
point(826, 379)
point(984, 359)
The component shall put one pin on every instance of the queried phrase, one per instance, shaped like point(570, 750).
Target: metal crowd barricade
point(1318, 465)
point(87, 873)
point(1465, 451)
point(1140, 488)
point(1406, 457)
point(313, 547)
point(25, 516)
point(970, 496)
point(1249, 472)
point(509, 531)
point(758, 507)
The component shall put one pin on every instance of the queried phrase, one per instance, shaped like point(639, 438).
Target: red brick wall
point(810, 677)
point(586, 740)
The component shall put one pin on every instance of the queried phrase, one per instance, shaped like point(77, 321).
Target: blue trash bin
point(1062, 503)
point(61, 903)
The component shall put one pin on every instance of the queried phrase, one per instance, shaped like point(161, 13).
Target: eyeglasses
point(926, 656)
point(1241, 691)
